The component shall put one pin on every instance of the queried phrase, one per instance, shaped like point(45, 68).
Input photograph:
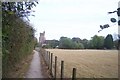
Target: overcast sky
point(74, 18)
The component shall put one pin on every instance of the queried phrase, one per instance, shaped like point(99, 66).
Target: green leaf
point(10, 12)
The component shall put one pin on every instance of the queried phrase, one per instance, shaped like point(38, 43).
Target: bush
point(18, 42)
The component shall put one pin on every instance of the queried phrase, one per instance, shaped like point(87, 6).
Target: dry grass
point(89, 63)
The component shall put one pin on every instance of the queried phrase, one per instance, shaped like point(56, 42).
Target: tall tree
point(65, 43)
point(108, 42)
point(97, 42)
point(85, 43)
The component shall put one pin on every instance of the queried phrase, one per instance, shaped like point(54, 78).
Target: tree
point(77, 43)
point(51, 43)
point(80, 46)
point(108, 42)
point(21, 9)
point(18, 39)
point(65, 43)
point(116, 45)
point(54, 43)
point(85, 43)
point(75, 39)
point(96, 42)
point(90, 45)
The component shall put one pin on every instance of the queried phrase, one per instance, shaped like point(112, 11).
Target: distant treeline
point(18, 39)
point(96, 42)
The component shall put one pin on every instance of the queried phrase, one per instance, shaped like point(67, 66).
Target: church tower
point(42, 38)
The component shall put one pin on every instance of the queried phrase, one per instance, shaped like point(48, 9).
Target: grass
point(89, 63)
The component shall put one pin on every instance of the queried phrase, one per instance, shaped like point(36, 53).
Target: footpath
point(36, 69)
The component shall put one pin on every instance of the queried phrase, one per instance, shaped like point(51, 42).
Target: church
point(44, 42)
point(42, 39)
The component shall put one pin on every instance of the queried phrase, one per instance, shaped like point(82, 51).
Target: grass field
point(89, 63)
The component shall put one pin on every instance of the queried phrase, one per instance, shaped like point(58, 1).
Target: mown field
point(89, 63)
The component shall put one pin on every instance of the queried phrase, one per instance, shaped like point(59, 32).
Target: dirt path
point(35, 69)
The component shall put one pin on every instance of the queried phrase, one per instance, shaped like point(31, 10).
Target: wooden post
point(51, 64)
point(55, 68)
point(62, 70)
point(49, 60)
point(45, 56)
point(74, 74)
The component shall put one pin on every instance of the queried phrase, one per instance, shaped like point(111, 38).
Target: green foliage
point(47, 46)
point(21, 9)
point(77, 45)
point(80, 46)
point(67, 43)
point(35, 42)
point(18, 39)
point(108, 42)
point(116, 44)
point(96, 42)
point(53, 43)
point(17, 42)
point(85, 43)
